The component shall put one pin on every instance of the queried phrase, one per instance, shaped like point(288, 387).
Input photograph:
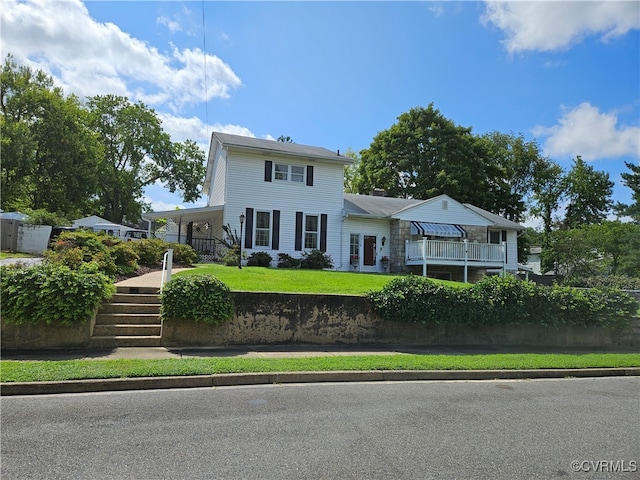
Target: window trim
point(269, 230)
point(316, 232)
point(289, 174)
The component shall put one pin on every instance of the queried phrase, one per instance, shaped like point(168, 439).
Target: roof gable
point(440, 209)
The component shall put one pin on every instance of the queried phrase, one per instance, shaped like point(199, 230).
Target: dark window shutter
point(298, 246)
point(275, 232)
point(504, 235)
point(310, 175)
point(248, 234)
point(323, 232)
point(268, 167)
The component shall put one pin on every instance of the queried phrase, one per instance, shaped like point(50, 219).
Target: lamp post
point(240, 242)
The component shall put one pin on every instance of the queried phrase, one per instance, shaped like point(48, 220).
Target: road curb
point(234, 379)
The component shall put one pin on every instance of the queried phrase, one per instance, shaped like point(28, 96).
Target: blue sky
point(334, 74)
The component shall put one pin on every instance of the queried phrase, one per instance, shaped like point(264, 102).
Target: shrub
point(230, 256)
point(496, 300)
point(287, 261)
point(259, 259)
point(150, 251)
point(182, 253)
point(126, 258)
point(610, 281)
point(202, 298)
point(76, 248)
point(415, 299)
point(315, 260)
point(52, 293)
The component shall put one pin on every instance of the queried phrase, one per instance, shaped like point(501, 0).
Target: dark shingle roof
point(284, 148)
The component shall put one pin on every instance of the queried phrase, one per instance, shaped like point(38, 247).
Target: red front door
point(369, 250)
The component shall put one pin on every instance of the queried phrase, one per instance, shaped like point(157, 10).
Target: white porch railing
point(455, 253)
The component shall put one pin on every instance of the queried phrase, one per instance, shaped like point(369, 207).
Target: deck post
point(466, 259)
point(504, 259)
point(424, 256)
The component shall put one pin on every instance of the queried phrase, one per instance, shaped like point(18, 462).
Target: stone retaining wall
point(275, 318)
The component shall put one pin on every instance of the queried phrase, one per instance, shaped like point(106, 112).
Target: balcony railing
point(454, 252)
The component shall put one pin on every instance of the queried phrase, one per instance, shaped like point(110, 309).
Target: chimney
point(377, 192)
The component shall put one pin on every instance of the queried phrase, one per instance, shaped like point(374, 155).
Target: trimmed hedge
point(202, 298)
point(52, 293)
point(496, 300)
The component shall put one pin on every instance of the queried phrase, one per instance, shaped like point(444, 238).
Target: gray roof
point(284, 148)
point(376, 206)
point(384, 207)
point(497, 220)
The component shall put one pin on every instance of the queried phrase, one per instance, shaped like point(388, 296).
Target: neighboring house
point(89, 222)
point(291, 200)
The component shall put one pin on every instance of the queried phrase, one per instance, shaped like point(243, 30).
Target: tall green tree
point(548, 191)
point(425, 154)
point(49, 155)
point(351, 171)
point(588, 194)
point(519, 163)
point(631, 179)
point(138, 153)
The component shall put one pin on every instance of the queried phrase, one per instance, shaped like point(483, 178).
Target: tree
point(425, 154)
point(137, 153)
point(632, 180)
point(519, 162)
point(588, 194)
point(49, 155)
point(548, 190)
point(351, 171)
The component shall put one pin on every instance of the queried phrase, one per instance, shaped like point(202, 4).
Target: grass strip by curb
point(59, 370)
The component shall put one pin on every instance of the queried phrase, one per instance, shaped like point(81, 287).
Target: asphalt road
point(415, 430)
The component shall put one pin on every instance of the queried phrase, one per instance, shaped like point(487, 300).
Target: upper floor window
point(290, 173)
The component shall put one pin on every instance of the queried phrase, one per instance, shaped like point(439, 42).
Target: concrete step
point(138, 290)
point(109, 341)
point(135, 298)
point(126, 330)
point(111, 307)
point(127, 318)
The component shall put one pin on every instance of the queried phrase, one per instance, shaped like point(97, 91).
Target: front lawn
point(260, 279)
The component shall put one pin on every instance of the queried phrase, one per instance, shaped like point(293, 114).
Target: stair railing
point(167, 265)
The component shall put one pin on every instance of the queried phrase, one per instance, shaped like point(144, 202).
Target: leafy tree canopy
point(425, 154)
point(588, 193)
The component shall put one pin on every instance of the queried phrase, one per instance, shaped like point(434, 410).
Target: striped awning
point(437, 229)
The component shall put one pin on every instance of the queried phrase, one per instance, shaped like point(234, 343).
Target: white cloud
point(548, 26)
point(587, 132)
point(173, 25)
point(90, 58)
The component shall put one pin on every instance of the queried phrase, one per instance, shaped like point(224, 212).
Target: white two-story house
point(289, 198)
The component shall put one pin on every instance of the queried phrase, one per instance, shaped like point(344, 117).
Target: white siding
point(377, 227)
point(219, 187)
point(247, 188)
point(442, 210)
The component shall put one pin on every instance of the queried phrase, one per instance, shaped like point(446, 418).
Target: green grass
point(260, 279)
point(4, 255)
point(38, 371)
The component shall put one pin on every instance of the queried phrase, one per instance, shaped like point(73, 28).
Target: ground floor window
point(354, 248)
point(263, 228)
point(311, 231)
